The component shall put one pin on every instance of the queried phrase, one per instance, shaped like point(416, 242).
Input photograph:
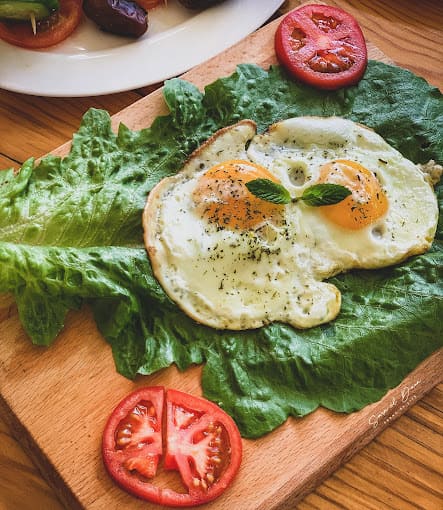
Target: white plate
point(92, 62)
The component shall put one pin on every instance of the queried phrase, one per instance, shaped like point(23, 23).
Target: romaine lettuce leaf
point(70, 234)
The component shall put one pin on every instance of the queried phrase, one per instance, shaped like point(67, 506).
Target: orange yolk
point(221, 196)
point(364, 206)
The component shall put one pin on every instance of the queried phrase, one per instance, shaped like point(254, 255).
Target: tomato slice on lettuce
point(50, 31)
point(322, 46)
point(194, 436)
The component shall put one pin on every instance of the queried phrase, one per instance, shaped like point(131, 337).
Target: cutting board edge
point(38, 457)
point(292, 497)
point(431, 366)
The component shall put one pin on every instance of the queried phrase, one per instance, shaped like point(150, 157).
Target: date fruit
point(121, 17)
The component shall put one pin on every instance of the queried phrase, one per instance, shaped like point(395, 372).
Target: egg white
point(233, 279)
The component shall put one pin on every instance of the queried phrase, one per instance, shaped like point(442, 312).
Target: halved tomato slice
point(132, 441)
point(322, 46)
point(50, 31)
point(200, 441)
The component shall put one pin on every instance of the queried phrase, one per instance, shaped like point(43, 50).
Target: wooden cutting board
point(58, 399)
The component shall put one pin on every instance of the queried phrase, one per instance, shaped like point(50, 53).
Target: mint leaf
point(269, 190)
point(325, 194)
point(316, 195)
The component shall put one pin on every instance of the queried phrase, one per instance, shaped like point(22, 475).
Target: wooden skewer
point(33, 23)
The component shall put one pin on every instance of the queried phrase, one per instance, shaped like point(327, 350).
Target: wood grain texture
point(70, 403)
point(32, 126)
point(407, 31)
point(400, 469)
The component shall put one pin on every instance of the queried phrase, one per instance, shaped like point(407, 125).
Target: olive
point(199, 4)
point(121, 17)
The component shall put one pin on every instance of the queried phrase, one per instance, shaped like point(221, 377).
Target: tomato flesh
point(50, 31)
point(150, 4)
point(322, 46)
point(132, 442)
point(198, 439)
point(203, 443)
point(140, 430)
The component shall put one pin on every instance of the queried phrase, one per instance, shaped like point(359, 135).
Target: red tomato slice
point(150, 4)
point(201, 442)
point(322, 46)
point(132, 440)
point(50, 31)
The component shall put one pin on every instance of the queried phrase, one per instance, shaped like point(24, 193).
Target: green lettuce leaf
point(71, 234)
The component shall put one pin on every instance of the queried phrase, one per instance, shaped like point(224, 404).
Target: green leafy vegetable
point(269, 190)
point(70, 234)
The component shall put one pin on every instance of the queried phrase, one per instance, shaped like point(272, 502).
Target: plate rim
point(93, 74)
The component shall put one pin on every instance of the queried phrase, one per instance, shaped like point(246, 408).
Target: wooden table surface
point(403, 467)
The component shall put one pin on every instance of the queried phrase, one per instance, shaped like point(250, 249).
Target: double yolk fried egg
point(232, 260)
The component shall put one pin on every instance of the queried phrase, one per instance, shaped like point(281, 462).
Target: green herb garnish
point(269, 190)
point(315, 196)
point(325, 194)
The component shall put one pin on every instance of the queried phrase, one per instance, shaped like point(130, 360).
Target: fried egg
point(232, 260)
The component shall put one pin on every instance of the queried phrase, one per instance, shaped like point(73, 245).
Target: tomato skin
point(201, 441)
point(114, 458)
point(56, 29)
point(322, 46)
point(150, 4)
point(179, 437)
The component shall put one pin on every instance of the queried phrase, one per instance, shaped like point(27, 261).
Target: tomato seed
point(135, 416)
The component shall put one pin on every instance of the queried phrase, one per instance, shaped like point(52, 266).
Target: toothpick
point(33, 23)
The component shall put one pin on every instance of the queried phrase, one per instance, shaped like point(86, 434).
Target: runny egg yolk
point(364, 206)
point(221, 196)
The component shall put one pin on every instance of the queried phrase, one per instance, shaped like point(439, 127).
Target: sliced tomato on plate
point(197, 439)
point(50, 31)
point(150, 4)
point(322, 46)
